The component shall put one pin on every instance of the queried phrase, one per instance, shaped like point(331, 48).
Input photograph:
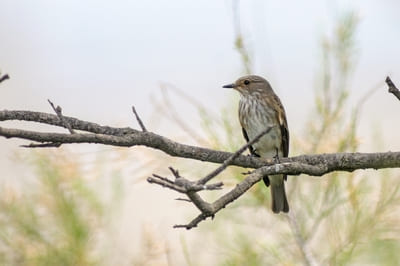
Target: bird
point(260, 108)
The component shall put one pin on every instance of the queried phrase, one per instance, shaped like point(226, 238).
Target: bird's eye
point(246, 82)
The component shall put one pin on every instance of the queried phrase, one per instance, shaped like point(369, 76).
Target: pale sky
point(97, 58)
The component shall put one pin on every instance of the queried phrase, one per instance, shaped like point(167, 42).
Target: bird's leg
point(276, 157)
point(254, 153)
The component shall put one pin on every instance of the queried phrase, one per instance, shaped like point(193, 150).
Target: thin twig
point(174, 172)
point(193, 223)
point(58, 111)
point(392, 88)
point(139, 120)
point(42, 145)
point(183, 199)
point(162, 181)
point(232, 157)
point(4, 77)
point(163, 178)
point(181, 184)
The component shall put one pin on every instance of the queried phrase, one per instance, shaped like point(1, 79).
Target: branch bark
point(88, 132)
point(392, 88)
point(317, 165)
point(4, 77)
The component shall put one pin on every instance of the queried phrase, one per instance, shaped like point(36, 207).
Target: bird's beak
point(230, 86)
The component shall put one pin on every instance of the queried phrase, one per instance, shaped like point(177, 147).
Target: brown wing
point(281, 117)
point(284, 128)
point(285, 139)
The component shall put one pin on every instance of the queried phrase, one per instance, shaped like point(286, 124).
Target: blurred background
point(91, 205)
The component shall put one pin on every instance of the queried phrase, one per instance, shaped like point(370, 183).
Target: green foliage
point(52, 222)
point(244, 253)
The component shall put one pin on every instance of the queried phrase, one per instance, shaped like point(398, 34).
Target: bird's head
point(250, 84)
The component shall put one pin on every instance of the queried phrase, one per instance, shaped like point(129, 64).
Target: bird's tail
point(278, 195)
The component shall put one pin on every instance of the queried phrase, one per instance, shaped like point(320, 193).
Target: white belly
point(257, 120)
point(268, 145)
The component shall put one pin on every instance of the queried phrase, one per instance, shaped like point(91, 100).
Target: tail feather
point(279, 200)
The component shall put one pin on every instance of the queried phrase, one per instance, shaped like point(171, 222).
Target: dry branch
point(128, 137)
point(392, 88)
point(58, 111)
point(315, 165)
point(88, 132)
point(4, 77)
point(139, 120)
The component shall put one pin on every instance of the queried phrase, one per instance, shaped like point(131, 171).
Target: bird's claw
point(276, 157)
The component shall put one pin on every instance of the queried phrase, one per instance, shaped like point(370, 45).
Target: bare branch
point(54, 120)
point(58, 111)
point(181, 184)
point(42, 145)
point(165, 182)
point(125, 137)
point(293, 168)
point(138, 119)
point(128, 137)
point(183, 199)
point(209, 210)
point(316, 165)
point(4, 77)
point(232, 157)
point(193, 223)
point(392, 88)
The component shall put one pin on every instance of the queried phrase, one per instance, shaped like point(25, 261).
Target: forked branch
point(88, 132)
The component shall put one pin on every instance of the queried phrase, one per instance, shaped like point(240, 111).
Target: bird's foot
point(276, 157)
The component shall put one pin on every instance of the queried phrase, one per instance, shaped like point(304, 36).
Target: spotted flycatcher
point(260, 108)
